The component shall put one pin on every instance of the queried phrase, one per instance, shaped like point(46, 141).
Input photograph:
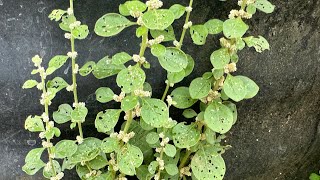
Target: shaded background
point(277, 134)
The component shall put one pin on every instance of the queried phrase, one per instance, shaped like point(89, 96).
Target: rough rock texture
point(277, 135)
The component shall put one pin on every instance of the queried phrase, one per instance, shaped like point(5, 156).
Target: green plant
point(314, 176)
point(150, 144)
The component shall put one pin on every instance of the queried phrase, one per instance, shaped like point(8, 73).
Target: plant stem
point(184, 29)
point(74, 75)
point(159, 170)
point(46, 110)
point(129, 121)
point(144, 43)
point(165, 92)
point(184, 159)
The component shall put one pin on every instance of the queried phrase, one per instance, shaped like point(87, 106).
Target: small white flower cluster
point(121, 177)
point(79, 139)
point(37, 61)
point(170, 101)
point(93, 173)
point(69, 88)
point(72, 55)
point(52, 156)
point(203, 137)
point(47, 167)
point(46, 144)
point(171, 84)
point(136, 14)
point(139, 21)
point(142, 93)
point(122, 136)
point(138, 59)
point(113, 163)
point(240, 2)
point(154, 4)
point(188, 9)
point(50, 124)
point(76, 69)
point(161, 163)
point(176, 43)
point(45, 117)
point(79, 104)
point(67, 35)
point(239, 13)
point(137, 111)
point(74, 25)
point(211, 96)
point(44, 97)
point(164, 141)
point(187, 25)
point(157, 177)
point(185, 171)
point(40, 86)
point(42, 135)
point(70, 11)
point(58, 176)
point(232, 67)
point(227, 44)
point(157, 40)
point(120, 97)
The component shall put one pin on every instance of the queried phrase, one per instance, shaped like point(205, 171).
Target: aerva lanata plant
point(150, 144)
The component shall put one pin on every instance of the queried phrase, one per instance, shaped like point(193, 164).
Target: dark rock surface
point(277, 135)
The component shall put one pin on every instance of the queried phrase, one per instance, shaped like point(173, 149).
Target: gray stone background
point(277, 134)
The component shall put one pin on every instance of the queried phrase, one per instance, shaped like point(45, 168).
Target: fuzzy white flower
point(188, 9)
point(69, 11)
point(79, 139)
point(67, 35)
point(72, 55)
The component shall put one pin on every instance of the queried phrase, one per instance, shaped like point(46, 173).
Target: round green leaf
point(185, 136)
point(30, 84)
point(199, 34)
point(233, 108)
point(65, 148)
point(214, 26)
point(32, 168)
point(220, 58)
point(111, 24)
point(251, 87)
point(171, 169)
point(129, 102)
point(189, 113)
point(158, 19)
point(57, 83)
point(63, 114)
point(56, 62)
point(206, 166)
point(152, 168)
point(57, 14)
point(104, 94)
point(234, 88)
point(79, 114)
point(98, 162)
point(154, 112)
point(234, 28)
point(34, 124)
point(80, 32)
point(129, 158)
point(87, 68)
point(135, 6)
point(174, 60)
point(178, 10)
point(182, 97)
point(260, 44)
point(218, 117)
point(158, 50)
point(264, 6)
point(105, 122)
point(34, 155)
point(66, 21)
point(152, 138)
point(87, 150)
point(121, 58)
point(131, 78)
point(188, 70)
point(109, 145)
point(105, 68)
point(168, 33)
point(143, 173)
point(144, 125)
point(210, 136)
point(199, 88)
point(175, 77)
point(170, 150)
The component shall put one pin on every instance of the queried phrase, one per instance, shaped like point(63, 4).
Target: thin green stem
point(74, 74)
point(165, 92)
point(184, 159)
point(129, 121)
point(184, 29)
point(159, 170)
point(144, 44)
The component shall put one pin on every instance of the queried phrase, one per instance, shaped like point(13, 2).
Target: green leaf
point(314, 176)
point(178, 10)
point(158, 50)
point(51, 173)
point(185, 136)
point(233, 109)
point(66, 21)
point(105, 122)
point(170, 150)
point(129, 103)
point(199, 88)
point(174, 60)
point(251, 9)
point(123, 10)
point(56, 131)
point(154, 112)
point(144, 125)
point(168, 33)
point(34, 155)
point(141, 31)
point(175, 77)
point(34, 124)
point(87, 150)
point(234, 88)
point(131, 78)
point(234, 28)
point(189, 113)
point(171, 169)
point(205, 166)
point(207, 75)
point(63, 114)
point(251, 87)
point(217, 73)
point(121, 58)
point(82, 171)
point(110, 145)
point(220, 58)
point(182, 97)
point(104, 94)
point(79, 114)
point(129, 158)
point(214, 26)
point(135, 6)
point(57, 14)
point(260, 44)
point(188, 70)
point(264, 6)
point(56, 62)
point(152, 168)
point(57, 83)
point(105, 68)
point(80, 32)
point(218, 117)
point(30, 84)
point(143, 173)
point(158, 19)
point(32, 168)
point(210, 136)
point(111, 24)
point(199, 34)
point(65, 148)
point(87, 68)
point(152, 138)
point(98, 163)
